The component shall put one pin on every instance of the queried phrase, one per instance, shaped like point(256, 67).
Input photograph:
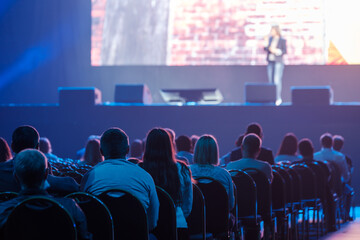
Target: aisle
point(349, 231)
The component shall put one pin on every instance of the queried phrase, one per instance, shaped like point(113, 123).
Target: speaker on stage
point(264, 93)
point(311, 95)
point(79, 96)
point(132, 93)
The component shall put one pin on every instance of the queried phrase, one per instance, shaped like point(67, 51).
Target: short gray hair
point(30, 167)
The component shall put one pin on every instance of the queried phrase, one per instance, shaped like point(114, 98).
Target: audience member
point(81, 152)
point(288, 149)
point(183, 147)
point(265, 154)
point(136, 149)
point(172, 136)
point(251, 147)
point(46, 148)
point(5, 153)
point(338, 143)
point(92, 154)
point(224, 160)
point(30, 169)
point(327, 153)
point(118, 173)
point(306, 150)
point(206, 161)
point(174, 177)
point(194, 138)
point(28, 137)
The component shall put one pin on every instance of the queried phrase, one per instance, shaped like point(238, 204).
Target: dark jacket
point(281, 45)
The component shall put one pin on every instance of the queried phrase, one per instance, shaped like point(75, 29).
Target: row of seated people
point(161, 168)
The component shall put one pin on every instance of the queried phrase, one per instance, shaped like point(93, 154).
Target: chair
point(129, 215)
point(197, 219)
point(279, 204)
point(217, 207)
point(166, 225)
point(264, 199)
point(246, 199)
point(98, 217)
point(6, 196)
point(39, 218)
point(310, 196)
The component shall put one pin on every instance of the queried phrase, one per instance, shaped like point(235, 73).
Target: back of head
point(206, 151)
point(306, 148)
point(326, 140)
point(45, 145)
point(288, 145)
point(239, 140)
point(136, 148)
point(24, 137)
point(5, 153)
point(159, 147)
point(338, 142)
point(92, 154)
point(114, 143)
point(251, 146)
point(183, 143)
point(30, 168)
point(159, 162)
point(254, 128)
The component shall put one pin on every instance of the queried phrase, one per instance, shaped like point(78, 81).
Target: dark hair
point(338, 142)
point(5, 153)
point(306, 147)
point(206, 151)
point(44, 145)
point(254, 128)
point(114, 143)
point(289, 145)
point(251, 145)
point(326, 140)
point(159, 162)
point(30, 167)
point(239, 140)
point(183, 143)
point(24, 137)
point(136, 148)
point(92, 155)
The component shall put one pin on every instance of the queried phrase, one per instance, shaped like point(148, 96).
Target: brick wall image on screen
point(206, 32)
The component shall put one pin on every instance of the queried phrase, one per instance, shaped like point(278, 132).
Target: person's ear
point(127, 150)
point(101, 151)
point(37, 146)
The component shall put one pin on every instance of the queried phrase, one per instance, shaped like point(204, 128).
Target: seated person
point(251, 147)
point(206, 161)
point(31, 170)
point(183, 147)
point(288, 149)
point(265, 154)
point(25, 137)
point(136, 149)
point(115, 172)
point(327, 153)
point(5, 153)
